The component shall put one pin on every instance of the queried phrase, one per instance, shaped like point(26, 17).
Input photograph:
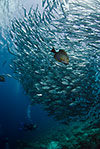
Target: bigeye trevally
point(61, 56)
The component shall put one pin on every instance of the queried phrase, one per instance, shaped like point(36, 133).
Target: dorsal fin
point(53, 50)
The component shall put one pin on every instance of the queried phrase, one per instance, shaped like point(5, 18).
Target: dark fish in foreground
point(61, 56)
point(2, 79)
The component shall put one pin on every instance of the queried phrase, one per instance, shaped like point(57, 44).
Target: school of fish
point(66, 82)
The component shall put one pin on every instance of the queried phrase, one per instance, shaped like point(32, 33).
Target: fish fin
point(53, 50)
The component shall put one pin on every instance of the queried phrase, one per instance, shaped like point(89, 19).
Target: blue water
point(13, 109)
point(14, 104)
point(69, 94)
point(14, 112)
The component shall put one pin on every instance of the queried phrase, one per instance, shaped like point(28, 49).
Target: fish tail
point(53, 50)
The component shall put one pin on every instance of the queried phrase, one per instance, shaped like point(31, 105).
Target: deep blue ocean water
point(14, 104)
point(68, 93)
point(13, 109)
